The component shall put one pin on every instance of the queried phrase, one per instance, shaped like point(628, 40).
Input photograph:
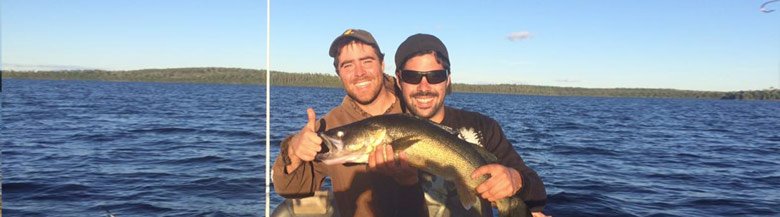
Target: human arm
point(304, 145)
point(531, 189)
point(294, 173)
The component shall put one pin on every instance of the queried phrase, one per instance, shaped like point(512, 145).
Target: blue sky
point(719, 45)
point(120, 35)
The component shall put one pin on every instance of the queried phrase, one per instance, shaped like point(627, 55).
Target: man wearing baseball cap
point(423, 72)
point(358, 192)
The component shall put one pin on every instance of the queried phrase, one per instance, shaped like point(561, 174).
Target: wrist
point(294, 161)
point(518, 181)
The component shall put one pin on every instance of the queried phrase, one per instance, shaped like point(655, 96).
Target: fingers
point(312, 117)
point(498, 186)
point(480, 171)
point(383, 160)
point(306, 143)
point(500, 190)
point(390, 161)
point(308, 147)
point(372, 161)
point(404, 161)
point(539, 214)
point(395, 164)
point(376, 159)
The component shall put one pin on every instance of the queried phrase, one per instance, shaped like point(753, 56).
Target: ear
point(397, 79)
point(383, 66)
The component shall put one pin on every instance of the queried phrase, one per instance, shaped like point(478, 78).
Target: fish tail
point(512, 207)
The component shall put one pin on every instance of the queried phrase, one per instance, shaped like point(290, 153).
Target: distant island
point(254, 76)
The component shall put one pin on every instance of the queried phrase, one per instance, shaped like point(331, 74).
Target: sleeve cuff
point(284, 151)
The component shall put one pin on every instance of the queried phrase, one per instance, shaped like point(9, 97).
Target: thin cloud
point(568, 80)
point(517, 36)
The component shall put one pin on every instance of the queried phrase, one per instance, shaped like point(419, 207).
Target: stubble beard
point(376, 91)
point(435, 109)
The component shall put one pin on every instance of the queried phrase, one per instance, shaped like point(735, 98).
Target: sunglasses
point(433, 77)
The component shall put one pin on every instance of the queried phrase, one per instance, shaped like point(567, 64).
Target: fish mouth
point(333, 152)
point(331, 143)
point(330, 148)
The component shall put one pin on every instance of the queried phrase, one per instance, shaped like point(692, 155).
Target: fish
point(428, 146)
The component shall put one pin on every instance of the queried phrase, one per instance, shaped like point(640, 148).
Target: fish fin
point(445, 128)
point(402, 143)
point(448, 129)
point(468, 198)
point(512, 207)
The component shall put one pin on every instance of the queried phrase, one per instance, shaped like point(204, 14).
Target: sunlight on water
point(150, 149)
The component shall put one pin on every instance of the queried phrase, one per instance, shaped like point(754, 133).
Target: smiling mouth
point(424, 100)
point(362, 84)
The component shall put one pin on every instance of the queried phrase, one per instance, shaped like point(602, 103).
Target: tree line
point(254, 76)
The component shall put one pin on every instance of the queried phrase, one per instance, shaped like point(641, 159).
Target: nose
point(359, 70)
point(424, 85)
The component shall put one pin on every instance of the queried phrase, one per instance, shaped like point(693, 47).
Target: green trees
point(768, 94)
point(254, 76)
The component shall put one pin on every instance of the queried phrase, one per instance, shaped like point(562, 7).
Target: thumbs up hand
point(305, 144)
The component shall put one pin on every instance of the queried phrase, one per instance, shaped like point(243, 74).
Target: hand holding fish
point(422, 145)
point(304, 145)
point(503, 182)
point(383, 160)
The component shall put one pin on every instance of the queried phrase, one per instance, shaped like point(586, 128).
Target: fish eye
point(340, 133)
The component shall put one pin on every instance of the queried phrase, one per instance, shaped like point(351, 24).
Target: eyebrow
point(359, 59)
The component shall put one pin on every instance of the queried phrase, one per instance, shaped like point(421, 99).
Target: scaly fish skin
point(428, 146)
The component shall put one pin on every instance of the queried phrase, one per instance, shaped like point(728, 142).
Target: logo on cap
point(348, 32)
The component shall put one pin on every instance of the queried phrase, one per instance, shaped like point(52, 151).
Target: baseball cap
point(350, 34)
point(420, 43)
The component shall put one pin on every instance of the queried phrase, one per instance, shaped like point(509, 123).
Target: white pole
point(268, 108)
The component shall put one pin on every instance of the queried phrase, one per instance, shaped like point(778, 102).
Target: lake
point(79, 148)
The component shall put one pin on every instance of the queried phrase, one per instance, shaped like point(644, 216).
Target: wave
point(237, 133)
point(117, 209)
point(588, 150)
point(198, 160)
point(165, 130)
point(107, 137)
point(21, 212)
point(581, 204)
point(38, 191)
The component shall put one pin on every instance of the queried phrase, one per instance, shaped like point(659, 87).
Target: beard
point(366, 100)
point(433, 110)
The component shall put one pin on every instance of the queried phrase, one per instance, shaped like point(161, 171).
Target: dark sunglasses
point(433, 77)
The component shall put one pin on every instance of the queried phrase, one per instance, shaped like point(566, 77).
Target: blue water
point(72, 148)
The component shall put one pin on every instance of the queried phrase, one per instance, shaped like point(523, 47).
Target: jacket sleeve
point(302, 182)
point(533, 191)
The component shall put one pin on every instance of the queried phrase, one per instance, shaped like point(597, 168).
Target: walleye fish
point(428, 146)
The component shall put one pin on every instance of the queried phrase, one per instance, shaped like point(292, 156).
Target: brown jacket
point(357, 191)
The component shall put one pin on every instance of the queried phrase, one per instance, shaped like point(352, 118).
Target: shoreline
point(257, 77)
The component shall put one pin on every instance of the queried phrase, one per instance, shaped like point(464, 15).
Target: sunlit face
point(360, 71)
point(424, 99)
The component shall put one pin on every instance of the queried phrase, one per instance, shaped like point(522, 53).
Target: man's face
point(424, 99)
point(361, 72)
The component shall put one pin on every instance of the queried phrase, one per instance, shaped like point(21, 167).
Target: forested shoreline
point(254, 76)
